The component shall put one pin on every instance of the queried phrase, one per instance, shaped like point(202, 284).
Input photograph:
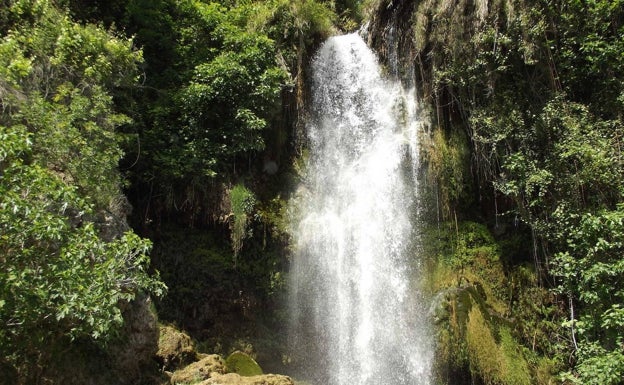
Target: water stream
point(357, 315)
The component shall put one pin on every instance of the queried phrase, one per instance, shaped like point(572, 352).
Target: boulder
point(236, 379)
point(175, 348)
point(197, 371)
point(242, 364)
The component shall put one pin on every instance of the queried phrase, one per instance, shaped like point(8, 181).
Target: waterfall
point(357, 315)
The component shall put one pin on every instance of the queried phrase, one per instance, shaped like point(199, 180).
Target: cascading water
point(357, 317)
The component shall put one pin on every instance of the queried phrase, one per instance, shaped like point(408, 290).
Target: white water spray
point(357, 317)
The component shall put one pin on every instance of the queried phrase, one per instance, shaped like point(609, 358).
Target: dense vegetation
point(180, 105)
point(215, 120)
point(190, 111)
point(69, 262)
point(537, 91)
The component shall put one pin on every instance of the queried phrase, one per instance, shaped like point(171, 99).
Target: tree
point(209, 109)
point(58, 277)
point(64, 273)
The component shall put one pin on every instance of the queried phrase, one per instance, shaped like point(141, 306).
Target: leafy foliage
point(539, 90)
point(242, 202)
point(215, 99)
point(58, 276)
point(204, 95)
point(66, 270)
point(57, 78)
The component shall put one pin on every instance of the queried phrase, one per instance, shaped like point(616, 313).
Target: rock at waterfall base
point(211, 370)
point(242, 364)
point(203, 369)
point(236, 379)
point(175, 348)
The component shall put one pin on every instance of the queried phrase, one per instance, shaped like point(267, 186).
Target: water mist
point(357, 316)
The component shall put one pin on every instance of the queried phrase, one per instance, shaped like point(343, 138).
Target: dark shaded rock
point(134, 352)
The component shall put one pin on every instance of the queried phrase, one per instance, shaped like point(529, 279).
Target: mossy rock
point(198, 371)
point(473, 341)
point(175, 348)
point(242, 364)
point(495, 356)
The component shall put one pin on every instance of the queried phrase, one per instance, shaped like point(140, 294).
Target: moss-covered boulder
point(211, 370)
point(242, 364)
point(175, 348)
point(207, 367)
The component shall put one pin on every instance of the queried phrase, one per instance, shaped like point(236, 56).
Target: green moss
point(515, 369)
point(455, 334)
point(494, 355)
point(199, 371)
point(242, 364)
point(274, 215)
point(482, 349)
point(464, 253)
point(545, 371)
point(475, 341)
point(446, 158)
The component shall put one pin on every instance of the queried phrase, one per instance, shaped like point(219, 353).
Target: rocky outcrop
point(203, 369)
point(176, 353)
point(211, 370)
point(390, 34)
point(175, 348)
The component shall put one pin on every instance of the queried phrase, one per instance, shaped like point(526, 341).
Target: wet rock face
point(390, 35)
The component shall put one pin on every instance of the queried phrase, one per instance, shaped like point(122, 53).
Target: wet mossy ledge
point(481, 334)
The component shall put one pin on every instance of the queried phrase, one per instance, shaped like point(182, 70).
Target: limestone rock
point(175, 348)
point(236, 379)
point(201, 370)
